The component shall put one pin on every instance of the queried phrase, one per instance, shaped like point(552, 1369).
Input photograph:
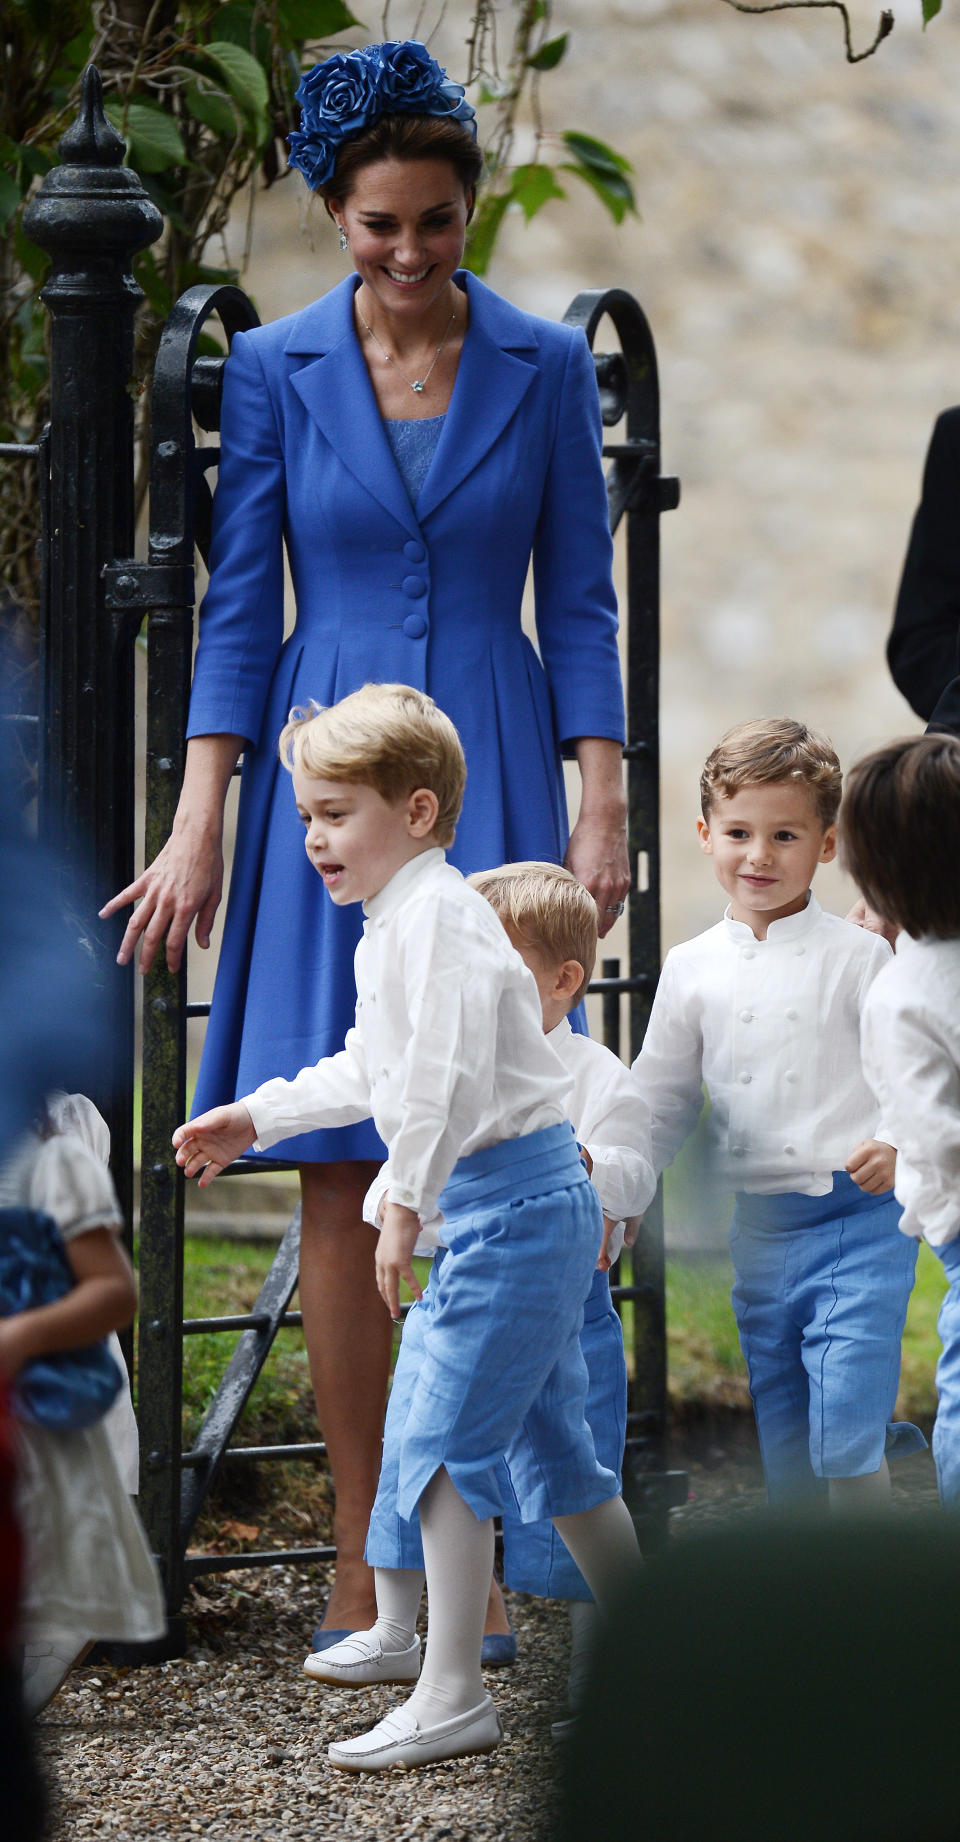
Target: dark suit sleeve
point(922, 650)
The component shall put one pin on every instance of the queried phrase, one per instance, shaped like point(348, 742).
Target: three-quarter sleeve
point(576, 607)
point(241, 617)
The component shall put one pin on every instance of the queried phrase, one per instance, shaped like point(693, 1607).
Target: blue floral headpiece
point(342, 96)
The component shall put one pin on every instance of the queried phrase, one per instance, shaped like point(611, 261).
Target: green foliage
point(550, 54)
point(203, 92)
point(930, 10)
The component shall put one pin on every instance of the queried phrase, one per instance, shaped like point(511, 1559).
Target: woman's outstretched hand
point(185, 880)
point(183, 883)
point(207, 1144)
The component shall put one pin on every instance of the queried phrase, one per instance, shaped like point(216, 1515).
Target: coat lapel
point(495, 373)
point(336, 392)
point(497, 367)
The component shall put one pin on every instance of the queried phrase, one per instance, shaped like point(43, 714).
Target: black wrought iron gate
point(92, 215)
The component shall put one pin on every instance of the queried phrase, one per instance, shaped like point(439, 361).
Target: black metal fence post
point(91, 214)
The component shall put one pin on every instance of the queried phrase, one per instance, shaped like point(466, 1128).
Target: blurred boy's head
point(552, 921)
point(900, 833)
point(769, 794)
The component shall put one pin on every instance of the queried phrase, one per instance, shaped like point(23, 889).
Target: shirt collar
point(398, 888)
point(791, 927)
point(560, 1032)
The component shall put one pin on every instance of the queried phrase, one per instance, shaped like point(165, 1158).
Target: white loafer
point(360, 1661)
point(400, 1740)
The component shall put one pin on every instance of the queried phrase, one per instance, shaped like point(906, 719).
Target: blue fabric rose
point(413, 83)
point(342, 96)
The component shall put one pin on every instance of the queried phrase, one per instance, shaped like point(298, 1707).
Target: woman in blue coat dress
point(412, 441)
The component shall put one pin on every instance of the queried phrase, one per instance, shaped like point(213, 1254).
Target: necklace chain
point(415, 384)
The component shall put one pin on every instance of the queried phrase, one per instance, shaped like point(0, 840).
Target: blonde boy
point(448, 1057)
point(551, 920)
point(764, 1011)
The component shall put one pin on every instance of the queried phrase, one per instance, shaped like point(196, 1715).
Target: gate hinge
point(140, 587)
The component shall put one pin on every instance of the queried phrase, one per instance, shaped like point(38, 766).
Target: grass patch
point(706, 1369)
point(705, 1373)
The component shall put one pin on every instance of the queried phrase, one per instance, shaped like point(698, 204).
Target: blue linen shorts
point(946, 1430)
point(821, 1285)
point(490, 1366)
point(535, 1560)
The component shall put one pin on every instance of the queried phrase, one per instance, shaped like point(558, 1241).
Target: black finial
point(92, 140)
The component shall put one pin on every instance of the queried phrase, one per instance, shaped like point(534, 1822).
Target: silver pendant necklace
point(417, 384)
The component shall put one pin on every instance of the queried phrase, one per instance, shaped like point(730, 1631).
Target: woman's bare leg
point(348, 1335)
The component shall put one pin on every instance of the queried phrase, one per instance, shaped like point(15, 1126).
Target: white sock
point(399, 1592)
point(603, 1542)
point(458, 1551)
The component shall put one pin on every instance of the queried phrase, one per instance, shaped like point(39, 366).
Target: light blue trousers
point(946, 1431)
point(820, 1297)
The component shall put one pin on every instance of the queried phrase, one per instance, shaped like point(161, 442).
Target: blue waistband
point(528, 1166)
point(790, 1209)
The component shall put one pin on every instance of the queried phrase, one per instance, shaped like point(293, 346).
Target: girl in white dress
point(90, 1575)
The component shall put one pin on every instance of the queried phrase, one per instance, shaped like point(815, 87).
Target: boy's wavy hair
point(768, 749)
point(548, 908)
point(386, 736)
point(900, 833)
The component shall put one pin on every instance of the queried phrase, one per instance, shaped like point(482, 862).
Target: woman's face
point(406, 221)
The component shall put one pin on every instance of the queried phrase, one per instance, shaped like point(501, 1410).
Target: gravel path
point(231, 1740)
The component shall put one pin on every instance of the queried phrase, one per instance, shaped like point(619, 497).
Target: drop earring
point(344, 239)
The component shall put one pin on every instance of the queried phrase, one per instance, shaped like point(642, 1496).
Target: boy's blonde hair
point(548, 908)
point(386, 736)
point(768, 749)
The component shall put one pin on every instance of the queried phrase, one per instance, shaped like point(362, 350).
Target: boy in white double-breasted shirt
point(763, 1010)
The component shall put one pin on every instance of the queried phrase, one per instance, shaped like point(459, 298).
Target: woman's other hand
point(398, 1238)
point(597, 851)
point(185, 880)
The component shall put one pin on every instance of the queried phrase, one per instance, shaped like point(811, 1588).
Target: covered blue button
point(414, 586)
point(413, 551)
point(414, 626)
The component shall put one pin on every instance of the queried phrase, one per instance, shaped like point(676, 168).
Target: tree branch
point(884, 29)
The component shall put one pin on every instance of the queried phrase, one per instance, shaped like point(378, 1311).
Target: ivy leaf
point(9, 198)
point(152, 136)
point(614, 191)
point(482, 234)
point(589, 152)
point(930, 10)
point(311, 19)
point(214, 109)
point(531, 187)
point(550, 54)
point(245, 79)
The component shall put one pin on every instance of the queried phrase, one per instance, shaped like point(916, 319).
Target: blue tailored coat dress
point(427, 595)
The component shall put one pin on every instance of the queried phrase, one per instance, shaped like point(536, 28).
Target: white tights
point(458, 1553)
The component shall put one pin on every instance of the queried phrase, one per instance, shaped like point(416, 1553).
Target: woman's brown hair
point(900, 833)
point(406, 137)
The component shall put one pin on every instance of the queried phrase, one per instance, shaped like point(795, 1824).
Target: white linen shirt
point(911, 1058)
point(772, 1029)
point(447, 1053)
point(609, 1118)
